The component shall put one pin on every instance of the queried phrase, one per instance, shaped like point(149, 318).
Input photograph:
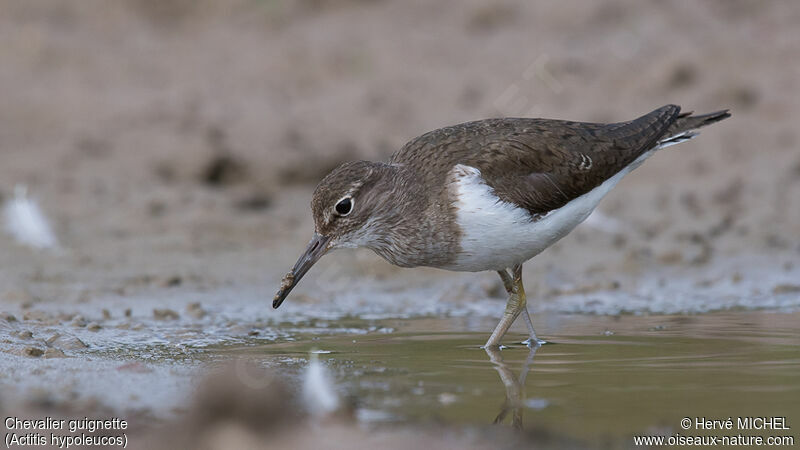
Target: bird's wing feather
point(539, 164)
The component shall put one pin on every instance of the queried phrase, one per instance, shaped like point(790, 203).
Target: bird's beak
point(316, 248)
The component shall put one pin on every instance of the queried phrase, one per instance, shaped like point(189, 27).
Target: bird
point(486, 195)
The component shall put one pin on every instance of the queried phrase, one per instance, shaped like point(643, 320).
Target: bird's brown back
point(540, 164)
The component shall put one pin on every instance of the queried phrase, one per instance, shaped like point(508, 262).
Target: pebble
point(26, 334)
point(165, 314)
point(195, 310)
point(172, 281)
point(786, 289)
point(65, 342)
point(54, 353)
point(33, 352)
point(39, 316)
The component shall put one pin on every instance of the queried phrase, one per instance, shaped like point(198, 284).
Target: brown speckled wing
point(539, 164)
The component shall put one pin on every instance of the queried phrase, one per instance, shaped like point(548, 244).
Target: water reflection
point(590, 384)
point(515, 386)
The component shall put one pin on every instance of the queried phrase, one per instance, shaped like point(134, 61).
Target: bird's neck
point(414, 221)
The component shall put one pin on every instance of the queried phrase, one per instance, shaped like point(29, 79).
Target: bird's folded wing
point(542, 165)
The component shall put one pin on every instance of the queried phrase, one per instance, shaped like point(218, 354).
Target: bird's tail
point(683, 127)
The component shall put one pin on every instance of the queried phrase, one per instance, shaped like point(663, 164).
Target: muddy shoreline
point(173, 147)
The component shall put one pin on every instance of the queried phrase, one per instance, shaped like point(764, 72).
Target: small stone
point(195, 310)
point(8, 317)
point(66, 342)
point(173, 281)
point(39, 316)
point(78, 321)
point(94, 326)
point(26, 334)
point(73, 343)
point(33, 352)
point(165, 314)
point(127, 312)
point(106, 314)
point(786, 289)
point(54, 353)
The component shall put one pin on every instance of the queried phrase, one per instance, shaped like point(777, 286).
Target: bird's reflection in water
point(515, 386)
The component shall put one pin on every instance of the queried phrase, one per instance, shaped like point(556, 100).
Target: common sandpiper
point(484, 195)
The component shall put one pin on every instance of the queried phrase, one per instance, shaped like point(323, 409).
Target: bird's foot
point(493, 347)
point(534, 342)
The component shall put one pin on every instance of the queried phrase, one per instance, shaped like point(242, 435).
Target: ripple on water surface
point(600, 377)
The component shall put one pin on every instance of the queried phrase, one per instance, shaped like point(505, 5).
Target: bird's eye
point(344, 206)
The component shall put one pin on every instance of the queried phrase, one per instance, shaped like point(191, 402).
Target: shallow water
point(598, 378)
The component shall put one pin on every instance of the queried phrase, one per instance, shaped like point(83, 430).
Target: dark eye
point(344, 206)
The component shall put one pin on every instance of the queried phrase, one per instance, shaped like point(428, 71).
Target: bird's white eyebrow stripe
point(356, 186)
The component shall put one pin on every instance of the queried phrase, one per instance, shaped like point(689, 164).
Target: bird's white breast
point(497, 235)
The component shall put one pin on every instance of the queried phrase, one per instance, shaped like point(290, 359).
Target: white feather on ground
point(26, 223)
point(319, 394)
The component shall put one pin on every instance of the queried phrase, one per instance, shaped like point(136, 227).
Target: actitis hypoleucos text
point(484, 195)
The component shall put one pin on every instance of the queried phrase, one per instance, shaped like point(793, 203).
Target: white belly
point(497, 235)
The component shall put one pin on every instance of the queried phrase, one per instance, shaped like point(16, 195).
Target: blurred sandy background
point(175, 144)
point(182, 138)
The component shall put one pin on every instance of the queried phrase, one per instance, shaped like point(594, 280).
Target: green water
point(588, 383)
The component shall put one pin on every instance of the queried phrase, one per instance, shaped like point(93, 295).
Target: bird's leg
point(508, 284)
point(532, 340)
point(516, 304)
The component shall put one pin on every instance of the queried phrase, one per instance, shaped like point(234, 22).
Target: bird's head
point(347, 205)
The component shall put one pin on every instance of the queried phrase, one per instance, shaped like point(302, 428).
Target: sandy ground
point(175, 144)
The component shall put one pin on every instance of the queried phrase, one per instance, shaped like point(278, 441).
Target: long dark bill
point(316, 248)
